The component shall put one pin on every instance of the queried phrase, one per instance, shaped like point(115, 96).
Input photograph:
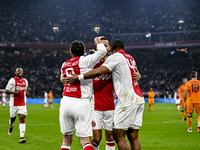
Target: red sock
point(88, 147)
point(64, 147)
point(94, 144)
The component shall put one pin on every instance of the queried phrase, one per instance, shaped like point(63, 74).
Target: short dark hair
point(193, 74)
point(77, 48)
point(104, 38)
point(117, 44)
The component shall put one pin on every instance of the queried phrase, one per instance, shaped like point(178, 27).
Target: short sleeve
point(10, 85)
point(111, 62)
point(26, 85)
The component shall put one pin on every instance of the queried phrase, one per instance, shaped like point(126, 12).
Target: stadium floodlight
point(148, 35)
point(180, 21)
point(97, 29)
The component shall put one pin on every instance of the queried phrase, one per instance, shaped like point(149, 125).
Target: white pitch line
point(35, 124)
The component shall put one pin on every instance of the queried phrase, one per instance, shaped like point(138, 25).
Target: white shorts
point(14, 110)
point(45, 101)
point(128, 117)
point(75, 114)
point(103, 118)
point(4, 100)
point(177, 101)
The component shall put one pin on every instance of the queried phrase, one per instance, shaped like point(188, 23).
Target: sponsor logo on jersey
point(103, 77)
point(71, 89)
point(20, 88)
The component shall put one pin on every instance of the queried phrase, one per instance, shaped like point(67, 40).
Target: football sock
point(189, 121)
point(95, 145)
point(4, 104)
point(51, 105)
point(152, 107)
point(182, 114)
point(64, 147)
point(22, 128)
point(110, 145)
point(149, 107)
point(10, 123)
point(198, 120)
point(88, 147)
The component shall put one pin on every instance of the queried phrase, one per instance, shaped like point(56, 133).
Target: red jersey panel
point(103, 91)
point(72, 67)
point(132, 66)
point(20, 84)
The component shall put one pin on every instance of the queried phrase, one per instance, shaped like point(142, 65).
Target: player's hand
point(137, 75)
point(27, 93)
point(97, 40)
point(63, 79)
point(18, 92)
point(72, 80)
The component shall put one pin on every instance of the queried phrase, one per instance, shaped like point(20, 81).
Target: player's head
point(51, 91)
point(19, 72)
point(184, 80)
point(105, 41)
point(151, 89)
point(77, 48)
point(117, 45)
point(193, 74)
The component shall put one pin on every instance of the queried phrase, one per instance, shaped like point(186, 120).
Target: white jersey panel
point(122, 80)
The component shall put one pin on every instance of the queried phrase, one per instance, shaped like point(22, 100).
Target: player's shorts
point(151, 101)
point(14, 110)
point(50, 101)
point(128, 117)
point(105, 118)
point(177, 101)
point(45, 101)
point(182, 103)
point(4, 100)
point(75, 114)
point(191, 106)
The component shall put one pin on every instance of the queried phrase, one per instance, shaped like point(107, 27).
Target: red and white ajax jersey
point(80, 65)
point(123, 67)
point(16, 84)
point(103, 91)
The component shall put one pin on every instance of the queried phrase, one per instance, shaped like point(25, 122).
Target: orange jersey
point(151, 95)
point(50, 95)
point(193, 91)
point(182, 91)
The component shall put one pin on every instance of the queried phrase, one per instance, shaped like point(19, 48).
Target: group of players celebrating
point(190, 99)
point(92, 83)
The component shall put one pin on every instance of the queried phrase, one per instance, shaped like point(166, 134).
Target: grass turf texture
point(162, 129)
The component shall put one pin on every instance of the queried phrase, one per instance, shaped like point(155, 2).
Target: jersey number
point(195, 88)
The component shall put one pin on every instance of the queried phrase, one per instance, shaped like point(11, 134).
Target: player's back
point(126, 89)
point(80, 65)
point(194, 92)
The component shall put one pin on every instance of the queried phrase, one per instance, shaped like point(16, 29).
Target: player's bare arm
point(89, 75)
point(185, 97)
point(137, 75)
point(13, 92)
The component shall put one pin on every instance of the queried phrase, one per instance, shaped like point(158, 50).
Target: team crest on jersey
point(94, 123)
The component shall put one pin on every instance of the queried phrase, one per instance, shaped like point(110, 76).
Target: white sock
point(110, 145)
point(22, 128)
point(65, 147)
point(4, 104)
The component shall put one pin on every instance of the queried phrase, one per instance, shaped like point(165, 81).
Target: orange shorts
point(182, 103)
point(151, 101)
point(191, 106)
point(50, 100)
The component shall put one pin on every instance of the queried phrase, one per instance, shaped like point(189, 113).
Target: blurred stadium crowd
point(162, 72)
point(62, 21)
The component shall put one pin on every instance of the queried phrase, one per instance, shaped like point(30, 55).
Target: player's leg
point(152, 106)
point(110, 142)
point(182, 110)
point(197, 109)
point(149, 106)
point(4, 103)
point(22, 127)
point(13, 113)
point(86, 143)
point(119, 136)
point(132, 135)
point(189, 118)
point(67, 141)
point(108, 122)
point(52, 105)
point(97, 136)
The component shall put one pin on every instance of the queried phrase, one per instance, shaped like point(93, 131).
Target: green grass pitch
point(162, 129)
